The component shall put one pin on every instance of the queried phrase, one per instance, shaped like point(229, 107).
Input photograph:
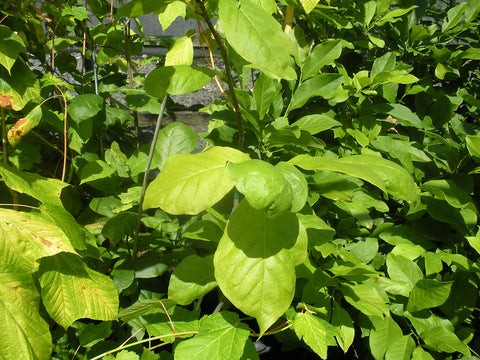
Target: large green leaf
point(382, 173)
point(323, 85)
point(403, 270)
point(428, 293)
point(71, 290)
point(191, 183)
point(192, 279)
point(220, 336)
point(264, 91)
point(259, 181)
point(400, 349)
point(177, 80)
point(323, 54)
point(25, 334)
point(26, 237)
point(254, 34)
point(255, 262)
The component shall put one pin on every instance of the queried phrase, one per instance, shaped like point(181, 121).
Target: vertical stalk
point(126, 32)
point(228, 73)
point(289, 18)
point(145, 177)
point(13, 194)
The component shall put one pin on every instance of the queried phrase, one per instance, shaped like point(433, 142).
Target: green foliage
point(335, 204)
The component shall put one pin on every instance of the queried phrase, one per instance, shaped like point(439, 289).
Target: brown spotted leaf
point(26, 237)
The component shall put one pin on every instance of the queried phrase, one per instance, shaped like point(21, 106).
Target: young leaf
point(191, 279)
point(175, 138)
point(71, 290)
point(25, 334)
point(256, 36)
point(255, 262)
point(172, 11)
point(220, 336)
point(191, 183)
point(385, 174)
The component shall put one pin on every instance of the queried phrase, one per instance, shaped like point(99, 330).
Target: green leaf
point(323, 54)
point(18, 87)
point(344, 324)
point(172, 11)
point(117, 159)
point(220, 336)
point(259, 181)
point(127, 355)
point(264, 91)
point(71, 290)
point(119, 226)
point(94, 333)
point(43, 189)
point(442, 339)
point(314, 331)
point(192, 278)
point(382, 173)
point(448, 190)
point(400, 349)
point(26, 237)
point(403, 270)
point(316, 123)
point(83, 107)
point(255, 262)
point(324, 85)
point(309, 5)
point(11, 45)
point(365, 298)
point(175, 138)
point(177, 80)
point(141, 307)
point(393, 15)
point(137, 8)
point(297, 182)
point(428, 293)
point(401, 113)
point(386, 332)
point(181, 53)
point(191, 183)
point(94, 171)
point(420, 354)
point(454, 17)
point(256, 36)
point(25, 333)
point(473, 146)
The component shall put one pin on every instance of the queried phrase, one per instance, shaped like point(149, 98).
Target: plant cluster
point(334, 208)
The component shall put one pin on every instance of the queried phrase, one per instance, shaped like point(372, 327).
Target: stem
point(289, 18)
point(142, 342)
point(65, 129)
point(231, 87)
point(13, 194)
point(145, 177)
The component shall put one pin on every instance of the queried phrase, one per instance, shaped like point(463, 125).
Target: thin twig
point(145, 177)
point(65, 144)
point(168, 316)
point(223, 53)
point(21, 205)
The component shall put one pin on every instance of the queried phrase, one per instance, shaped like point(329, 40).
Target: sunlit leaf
point(71, 290)
point(25, 333)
